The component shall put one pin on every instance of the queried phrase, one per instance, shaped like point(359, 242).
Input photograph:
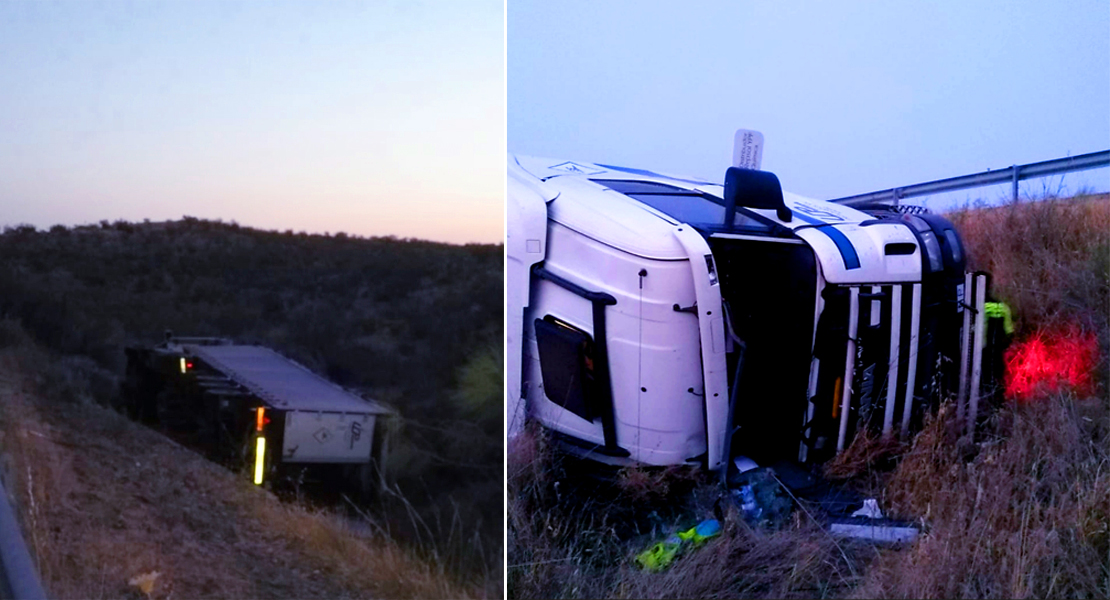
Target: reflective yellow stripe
point(182, 364)
point(259, 459)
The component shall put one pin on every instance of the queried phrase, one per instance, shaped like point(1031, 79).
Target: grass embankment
point(1050, 261)
point(1023, 513)
point(106, 500)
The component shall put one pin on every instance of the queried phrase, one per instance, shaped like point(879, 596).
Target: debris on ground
point(870, 510)
point(661, 554)
point(874, 530)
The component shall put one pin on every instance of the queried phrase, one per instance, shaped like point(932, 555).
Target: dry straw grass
point(1049, 260)
point(868, 454)
point(105, 500)
point(373, 564)
point(569, 542)
point(1026, 518)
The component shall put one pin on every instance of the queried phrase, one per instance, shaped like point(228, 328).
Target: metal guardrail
point(18, 578)
point(1014, 174)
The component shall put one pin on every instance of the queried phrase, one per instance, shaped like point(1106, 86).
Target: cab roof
point(634, 209)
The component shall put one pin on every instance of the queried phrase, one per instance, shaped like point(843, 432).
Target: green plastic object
point(661, 554)
point(1000, 310)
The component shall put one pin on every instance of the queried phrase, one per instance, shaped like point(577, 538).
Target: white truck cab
point(663, 320)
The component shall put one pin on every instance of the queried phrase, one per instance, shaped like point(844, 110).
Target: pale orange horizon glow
point(362, 118)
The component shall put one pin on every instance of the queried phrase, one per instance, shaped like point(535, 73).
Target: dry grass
point(798, 562)
point(1049, 260)
point(869, 452)
point(370, 563)
point(578, 542)
point(105, 500)
point(1028, 517)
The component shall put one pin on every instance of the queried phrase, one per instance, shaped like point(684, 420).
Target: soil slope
point(106, 500)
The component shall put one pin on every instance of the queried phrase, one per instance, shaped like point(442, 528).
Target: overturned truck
point(249, 406)
point(663, 320)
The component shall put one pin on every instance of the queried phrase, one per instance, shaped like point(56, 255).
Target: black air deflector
point(566, 363)
point(753, 189)
point(602, 389)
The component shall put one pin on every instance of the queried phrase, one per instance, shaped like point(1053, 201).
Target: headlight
point(953, 243)
point(932, 250)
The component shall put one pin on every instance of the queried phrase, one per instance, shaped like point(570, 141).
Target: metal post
point(849, 366)
point(965, 339)
point(1017, 171)
point(811, 392)
point(977, 353)
point(892, 368)
point(731, 421)
point(911, 366)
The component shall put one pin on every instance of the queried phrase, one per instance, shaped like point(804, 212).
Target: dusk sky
point(371, 118)
point(851, 97)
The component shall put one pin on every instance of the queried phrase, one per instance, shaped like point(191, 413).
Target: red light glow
point(1050, 362)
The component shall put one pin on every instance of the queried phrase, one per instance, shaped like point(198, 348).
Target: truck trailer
point(249, 406)
point(667, 320)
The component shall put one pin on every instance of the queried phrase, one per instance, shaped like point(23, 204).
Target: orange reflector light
point(261, 417)
point(259, 459)
point(837, 387)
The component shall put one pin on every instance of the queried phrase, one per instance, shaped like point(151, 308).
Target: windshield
point(686, 206)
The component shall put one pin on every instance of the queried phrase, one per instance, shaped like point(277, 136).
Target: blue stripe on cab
point(847, 250)
point(808, 219)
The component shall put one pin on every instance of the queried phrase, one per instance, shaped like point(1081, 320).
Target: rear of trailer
point(250, 406)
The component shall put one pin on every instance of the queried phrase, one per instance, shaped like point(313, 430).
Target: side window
point(566, 363)
point(688, 206)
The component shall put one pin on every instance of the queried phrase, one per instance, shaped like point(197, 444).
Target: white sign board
point(747, 151)
point(319, 437)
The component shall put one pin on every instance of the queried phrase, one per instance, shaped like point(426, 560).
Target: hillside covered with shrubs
point(414, 324)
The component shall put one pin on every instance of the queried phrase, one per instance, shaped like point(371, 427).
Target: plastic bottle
point(748, 504)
